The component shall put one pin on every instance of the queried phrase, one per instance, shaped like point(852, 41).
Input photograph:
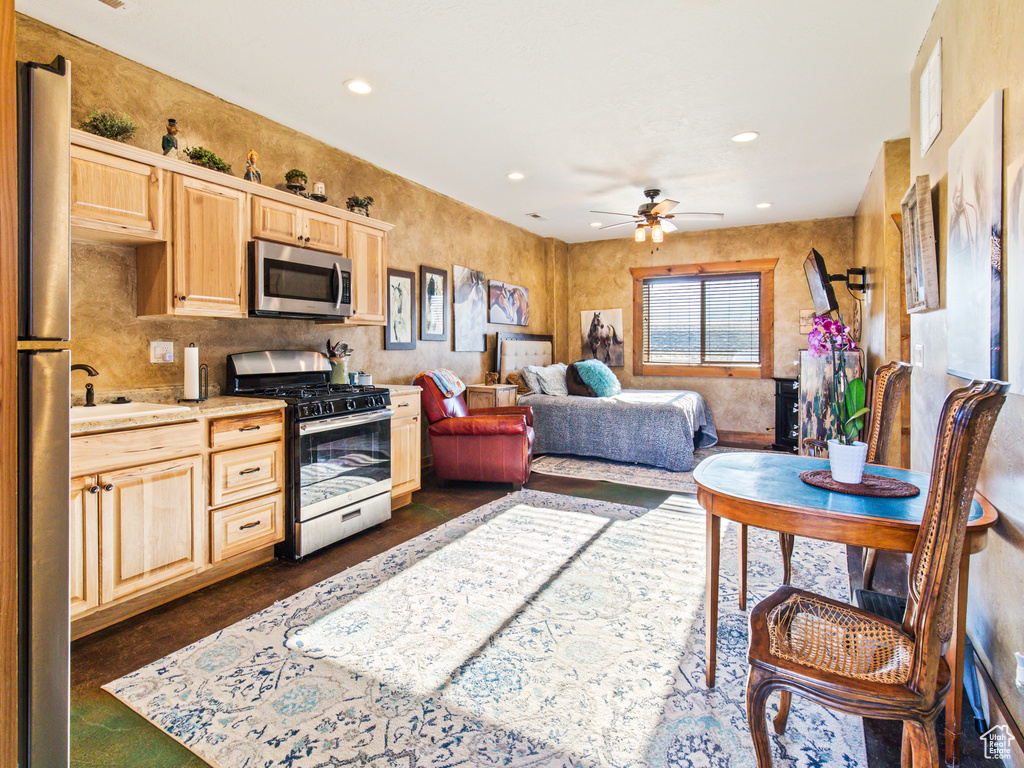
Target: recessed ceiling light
point(764, 205)
point(595, 223)
point(516, 176)
point(358, 86)
point(745, 136)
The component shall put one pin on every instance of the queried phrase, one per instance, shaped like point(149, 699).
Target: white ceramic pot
point(847, 461)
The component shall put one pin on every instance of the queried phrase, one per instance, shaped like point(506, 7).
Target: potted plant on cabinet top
point(110, 125)
point(296, 180)
point(357, 204)
point(207, 159)
point(846, 453)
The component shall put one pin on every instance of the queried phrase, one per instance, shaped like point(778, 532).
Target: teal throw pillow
point(599, 377)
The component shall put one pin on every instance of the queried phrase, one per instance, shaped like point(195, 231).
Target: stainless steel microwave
point(285, 281)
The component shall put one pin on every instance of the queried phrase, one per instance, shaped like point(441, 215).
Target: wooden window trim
point(763, 370)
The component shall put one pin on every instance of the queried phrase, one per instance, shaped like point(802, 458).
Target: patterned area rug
point(640, 475)
point(539, 630)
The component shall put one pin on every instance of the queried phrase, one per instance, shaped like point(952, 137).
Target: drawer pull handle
point(351, 515)
point(94, 489)
point(249, 429)
point(249, 471)
point(253, 524)
point(404, 405)
point(108, 487)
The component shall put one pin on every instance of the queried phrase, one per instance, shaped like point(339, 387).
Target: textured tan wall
point(600, 279)
point(430, 228)
point(877, 246)
point(981, 53)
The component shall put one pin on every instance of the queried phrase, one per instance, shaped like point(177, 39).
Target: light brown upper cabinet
point(115, 199)
point(201, 270)
point(367, 247)
point(291, 225)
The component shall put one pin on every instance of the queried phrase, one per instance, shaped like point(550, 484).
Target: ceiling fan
point(657, 216)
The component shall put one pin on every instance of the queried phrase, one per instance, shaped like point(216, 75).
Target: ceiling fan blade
point(612, 213)
point(609, 226)
point(695, 216)
point(668, 226)
point(664, 207)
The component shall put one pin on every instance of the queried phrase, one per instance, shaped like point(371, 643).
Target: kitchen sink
point(121, 410)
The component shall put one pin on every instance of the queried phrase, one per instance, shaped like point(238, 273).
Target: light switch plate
point(161, 351)
point(919, 355)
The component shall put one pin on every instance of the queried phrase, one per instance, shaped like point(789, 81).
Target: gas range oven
point(338, 445)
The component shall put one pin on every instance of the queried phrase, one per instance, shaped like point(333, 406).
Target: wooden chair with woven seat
point(887, 388)
point(853, 661)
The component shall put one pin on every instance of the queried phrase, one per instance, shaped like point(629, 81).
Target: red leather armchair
point(488, 444)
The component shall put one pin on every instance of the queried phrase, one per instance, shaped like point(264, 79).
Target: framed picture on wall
point(469, 291)
point(509, 304)
point(433, 304)
point(920, 264)
point(1013, 261)
point(400, 332)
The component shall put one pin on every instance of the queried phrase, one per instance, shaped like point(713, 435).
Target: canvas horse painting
point(604, 340)
point(510, 304)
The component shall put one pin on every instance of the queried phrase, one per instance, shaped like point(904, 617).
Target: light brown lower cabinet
point(152, 525)
point(246, 526)
point(85, 548)
point(405, 448)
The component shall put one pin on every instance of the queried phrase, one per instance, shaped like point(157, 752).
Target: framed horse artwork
point(601, 336)
point(509, 304)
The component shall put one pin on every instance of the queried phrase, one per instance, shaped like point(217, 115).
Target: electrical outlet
point(919, 355)
point(161, 351)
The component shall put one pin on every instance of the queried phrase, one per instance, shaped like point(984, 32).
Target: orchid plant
point(832, 338)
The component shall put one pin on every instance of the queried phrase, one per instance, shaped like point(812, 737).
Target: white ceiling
point(593, 101)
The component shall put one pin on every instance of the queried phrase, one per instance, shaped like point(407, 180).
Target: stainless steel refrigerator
point(44, 331)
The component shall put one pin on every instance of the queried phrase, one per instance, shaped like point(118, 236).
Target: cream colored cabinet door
point(208, 249)
point(324, 233)
point(276, 221)
point(115, 199)
point(84, 559)
point(405, 455)
point(152, 525)
point(368, 250)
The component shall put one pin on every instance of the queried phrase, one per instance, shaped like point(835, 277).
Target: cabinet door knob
point(182, 298)
point(307, 239)
point(300, 238)
point(94, 489)
point(108, 487)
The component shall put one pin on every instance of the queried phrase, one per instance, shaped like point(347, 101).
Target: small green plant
point(109, 124)
point(204, 157)
point(296, 175)
point(359, 202)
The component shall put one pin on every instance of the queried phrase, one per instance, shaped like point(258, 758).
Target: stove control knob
point(350, 405)
point(379, 401)
point(314, 409)
point(328, 407)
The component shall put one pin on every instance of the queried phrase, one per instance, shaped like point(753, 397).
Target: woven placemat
point(870, 485)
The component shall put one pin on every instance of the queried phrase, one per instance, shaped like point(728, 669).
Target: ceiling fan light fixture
point(640, 234)
point(764, 205)
point(516, 175)
point(744, 136)
point(595, 224)
point(657, 233)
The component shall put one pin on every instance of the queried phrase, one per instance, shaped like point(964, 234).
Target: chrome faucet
point(90, 393)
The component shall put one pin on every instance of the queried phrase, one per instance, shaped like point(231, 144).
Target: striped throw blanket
point(447, 381)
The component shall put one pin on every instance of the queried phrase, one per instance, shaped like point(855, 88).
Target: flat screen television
point(818, 281)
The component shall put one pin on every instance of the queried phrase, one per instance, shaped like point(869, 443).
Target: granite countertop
point(216, 405)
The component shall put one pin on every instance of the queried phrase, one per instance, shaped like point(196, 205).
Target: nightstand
point(490, 395)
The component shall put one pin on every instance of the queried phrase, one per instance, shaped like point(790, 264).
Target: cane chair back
point(888, 386)
point(965, 427)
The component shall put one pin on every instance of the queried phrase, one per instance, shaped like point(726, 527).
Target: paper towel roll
point(191, 372)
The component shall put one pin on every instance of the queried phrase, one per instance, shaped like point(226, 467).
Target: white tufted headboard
point(516, 350)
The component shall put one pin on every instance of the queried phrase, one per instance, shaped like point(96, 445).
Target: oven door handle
point(313, 427)
point(337, 300)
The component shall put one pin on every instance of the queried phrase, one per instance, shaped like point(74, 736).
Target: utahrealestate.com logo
point(998, 742)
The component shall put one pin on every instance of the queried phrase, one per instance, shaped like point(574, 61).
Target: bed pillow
point(599, 377)
point(576, 385)
point(516, 377)
point(550, 378)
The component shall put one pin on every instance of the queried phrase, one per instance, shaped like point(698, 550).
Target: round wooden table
point(765, 490)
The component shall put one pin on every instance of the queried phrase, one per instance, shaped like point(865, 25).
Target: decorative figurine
point(170, 139)
point(252, 173)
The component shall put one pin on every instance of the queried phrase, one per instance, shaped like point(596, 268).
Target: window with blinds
point(702, 320)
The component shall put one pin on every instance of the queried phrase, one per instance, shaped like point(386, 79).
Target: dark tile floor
point(106, 733)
